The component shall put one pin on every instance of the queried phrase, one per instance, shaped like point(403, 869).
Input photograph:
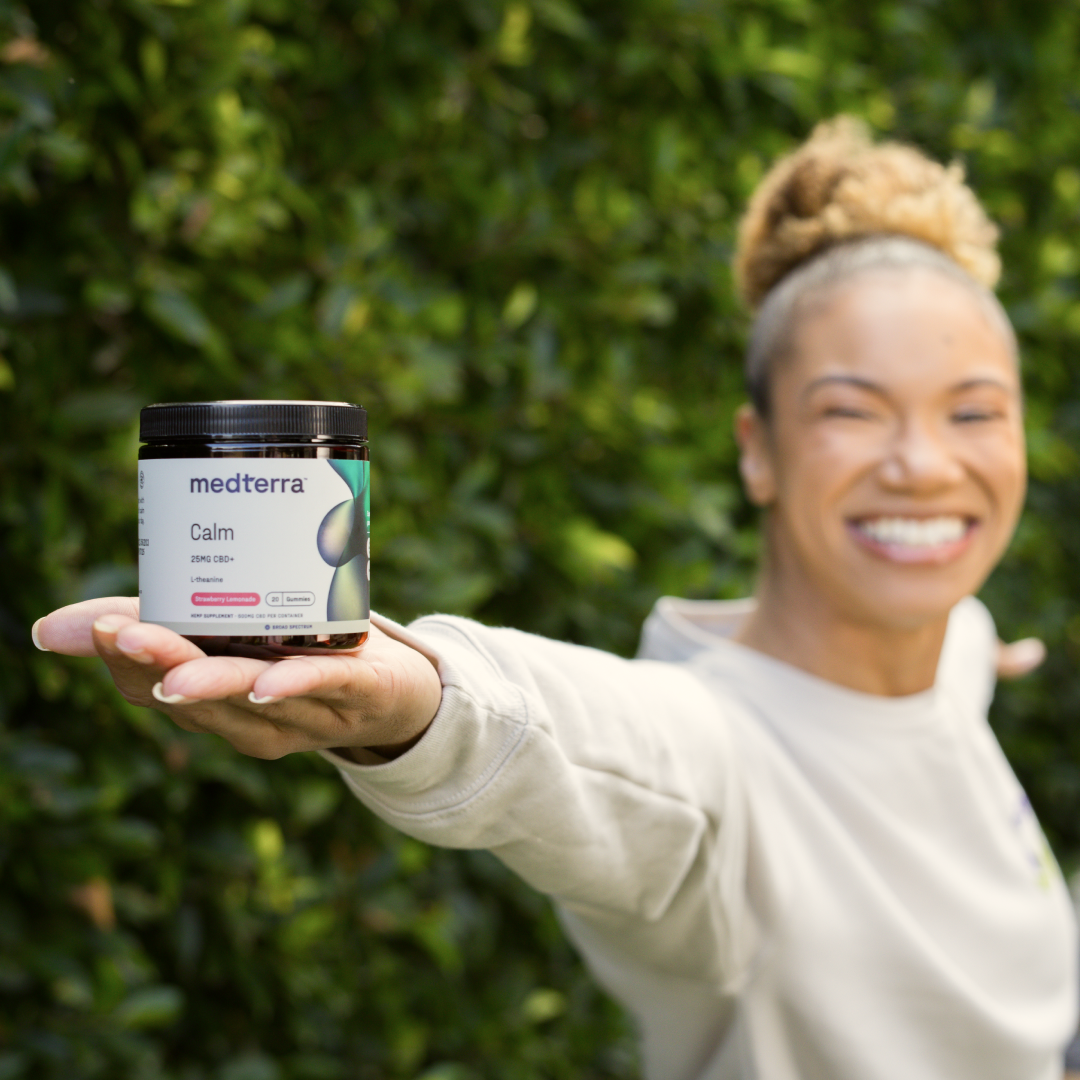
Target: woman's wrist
point(378, 755)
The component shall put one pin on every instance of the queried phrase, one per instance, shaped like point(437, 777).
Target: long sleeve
point(602, 782)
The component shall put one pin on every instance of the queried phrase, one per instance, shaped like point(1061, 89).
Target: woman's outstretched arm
point(606, 783)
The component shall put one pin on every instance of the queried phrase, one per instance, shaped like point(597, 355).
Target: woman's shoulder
point(968, 665)
point(676, 630)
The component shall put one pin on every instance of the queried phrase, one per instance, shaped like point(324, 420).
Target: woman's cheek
point(837, 463)
point(1002, 467)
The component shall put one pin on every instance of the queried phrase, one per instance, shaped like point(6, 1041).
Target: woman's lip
point(935, 555)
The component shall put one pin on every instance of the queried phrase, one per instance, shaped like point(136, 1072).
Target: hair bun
point(839, 186)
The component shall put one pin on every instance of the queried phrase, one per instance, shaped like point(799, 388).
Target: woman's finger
point(211, 678)
point(146, 643)
point(69, 630)
point(333, 679)
point(246, 730)
point(137, 654)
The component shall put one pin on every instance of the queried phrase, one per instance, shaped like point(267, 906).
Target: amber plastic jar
point(253, 524)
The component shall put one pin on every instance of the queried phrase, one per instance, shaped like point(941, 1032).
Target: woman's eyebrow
point(848, 380)
point(876, 388)
point(983, 380)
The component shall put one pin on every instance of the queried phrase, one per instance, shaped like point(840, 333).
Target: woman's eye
point(974, 416)
point(847, 412)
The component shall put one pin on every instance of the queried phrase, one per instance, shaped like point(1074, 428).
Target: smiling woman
point(785, 836)
point(886, 429)
point(892, 458)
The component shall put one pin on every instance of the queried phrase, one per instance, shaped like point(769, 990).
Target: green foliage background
point(505, 228)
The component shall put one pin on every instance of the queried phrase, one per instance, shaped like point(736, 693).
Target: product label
point(254, 546)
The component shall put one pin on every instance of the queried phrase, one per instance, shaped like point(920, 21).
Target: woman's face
point(893, 462)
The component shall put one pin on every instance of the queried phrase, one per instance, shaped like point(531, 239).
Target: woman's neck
point(795, 624)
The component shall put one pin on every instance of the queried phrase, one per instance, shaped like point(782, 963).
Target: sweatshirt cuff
point(463, 749)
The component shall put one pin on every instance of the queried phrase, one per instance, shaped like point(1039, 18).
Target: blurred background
point(503, 226)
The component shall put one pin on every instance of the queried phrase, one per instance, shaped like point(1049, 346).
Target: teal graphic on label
point(344, 544)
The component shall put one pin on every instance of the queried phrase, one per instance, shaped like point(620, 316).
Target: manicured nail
point(108, 624)
point(261, 700)
point(136, 653)
point(33, 635)
point(170, 699)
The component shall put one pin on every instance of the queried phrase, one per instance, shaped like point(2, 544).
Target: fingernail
point(261, 700)
point(34, 637)
point(108, 624)
point(169, 699)
point(136, 653)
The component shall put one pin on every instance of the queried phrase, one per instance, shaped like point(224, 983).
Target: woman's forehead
point(916, 327)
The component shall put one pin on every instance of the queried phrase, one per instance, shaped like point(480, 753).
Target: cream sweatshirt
point(780, 878)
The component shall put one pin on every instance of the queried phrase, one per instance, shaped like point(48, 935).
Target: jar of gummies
point(253, 524)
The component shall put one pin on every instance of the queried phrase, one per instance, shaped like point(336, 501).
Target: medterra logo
point(343, 543)
point(246, 484)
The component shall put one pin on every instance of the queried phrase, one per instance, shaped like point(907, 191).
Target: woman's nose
point(920, 459)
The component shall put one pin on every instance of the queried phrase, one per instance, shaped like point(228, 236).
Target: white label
point(254, 546)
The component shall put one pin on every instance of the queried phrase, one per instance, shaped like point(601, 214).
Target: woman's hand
point(1019, 657)
point(380, 697)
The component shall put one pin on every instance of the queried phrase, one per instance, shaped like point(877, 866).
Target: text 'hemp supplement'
point(253, 524)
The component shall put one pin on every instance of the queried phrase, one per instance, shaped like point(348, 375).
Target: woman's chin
point(908, 605)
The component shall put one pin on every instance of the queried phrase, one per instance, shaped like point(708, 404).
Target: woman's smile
point(914, 540)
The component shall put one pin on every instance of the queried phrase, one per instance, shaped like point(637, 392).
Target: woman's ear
point(755, 456)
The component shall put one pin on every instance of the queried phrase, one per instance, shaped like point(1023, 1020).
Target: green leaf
point(180, 316)
point(250, 1066)
point(9, 300)
point(287, 294)
point(563, 16)
point(150, 1007)
point(449, 1070)
point(543, 1004)
point(520, 304)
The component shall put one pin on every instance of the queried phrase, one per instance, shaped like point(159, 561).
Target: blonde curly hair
point(839, 187)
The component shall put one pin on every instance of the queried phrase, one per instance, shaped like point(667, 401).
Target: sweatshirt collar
point(702, 632)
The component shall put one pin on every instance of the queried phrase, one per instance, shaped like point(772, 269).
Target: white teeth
point(914, 532)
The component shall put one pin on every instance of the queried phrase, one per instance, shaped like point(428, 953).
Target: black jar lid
point(211, 421)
